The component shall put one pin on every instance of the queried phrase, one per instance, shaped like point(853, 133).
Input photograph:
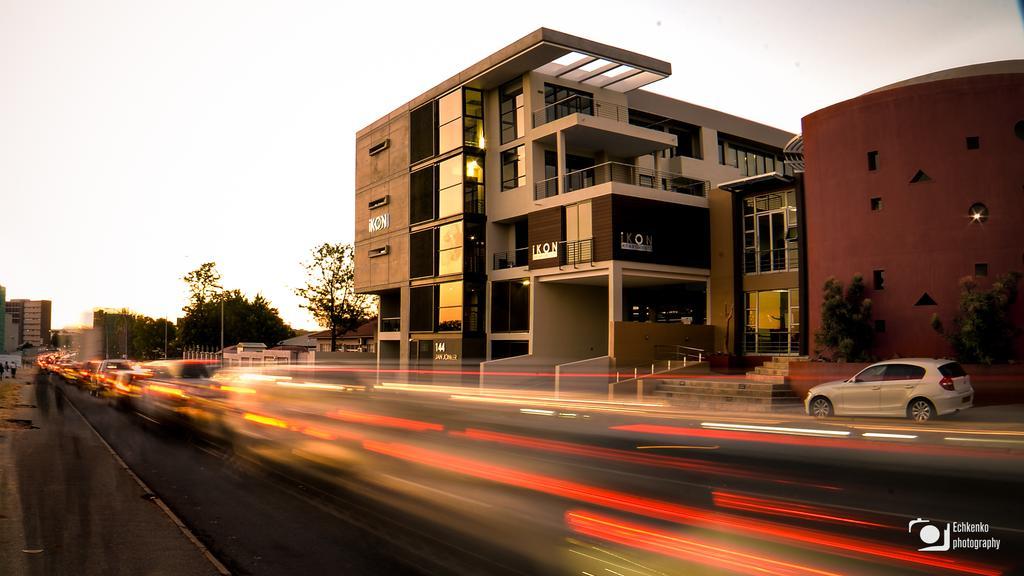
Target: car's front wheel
point(821, 407)
point(920, 410)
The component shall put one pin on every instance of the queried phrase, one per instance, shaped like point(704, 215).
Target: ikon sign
point(545, 250)
point(378, 223)
point(636, 241)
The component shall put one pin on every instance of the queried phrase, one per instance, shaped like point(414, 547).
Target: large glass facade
point(772, 322)
point(770, 242)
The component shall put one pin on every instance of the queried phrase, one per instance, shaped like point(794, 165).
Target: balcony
point(772, 260)
point(624, 174)
point(511, 258)
point(589, 124)
point(579, 104)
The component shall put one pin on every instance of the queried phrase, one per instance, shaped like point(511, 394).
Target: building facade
point(541, 204)
point(29, 322)
point(915, 186)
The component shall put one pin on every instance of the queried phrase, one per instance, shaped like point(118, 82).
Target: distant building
point(362, 339)
point(30, 320)
point(257, 354)
point(302, 341)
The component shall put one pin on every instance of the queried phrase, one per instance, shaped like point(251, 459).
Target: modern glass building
point(541, 207)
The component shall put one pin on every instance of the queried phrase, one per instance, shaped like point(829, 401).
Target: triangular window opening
point(920, 177)
point(926, 300)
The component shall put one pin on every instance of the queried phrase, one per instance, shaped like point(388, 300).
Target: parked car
point(916, 388)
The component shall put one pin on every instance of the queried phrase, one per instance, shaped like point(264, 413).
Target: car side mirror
point(854, 380)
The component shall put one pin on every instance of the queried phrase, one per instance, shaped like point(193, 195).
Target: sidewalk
point(67, 506)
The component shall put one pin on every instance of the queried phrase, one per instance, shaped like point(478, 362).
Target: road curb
point(217, 564)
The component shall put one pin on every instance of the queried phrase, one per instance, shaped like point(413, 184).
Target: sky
point(141, 138)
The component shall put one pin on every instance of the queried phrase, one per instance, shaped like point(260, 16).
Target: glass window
point(450, 176)
point(449, 137)
point(451, 172)
point(450, 249)
point(423, 132)
point(421, 309)
point(513, 118)
point(770, 233)
point(449, 310)
point(449, 107)
point(510, 306)
point(513, 168)
point(422, 190)
point(871, 374)
point(450, 202)
point(421, 254)
point(474, 103)
point(474, 306)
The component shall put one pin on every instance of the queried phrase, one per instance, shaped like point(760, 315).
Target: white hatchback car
point(917, 388)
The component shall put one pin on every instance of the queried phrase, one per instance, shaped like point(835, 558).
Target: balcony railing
point(391, 324)
point(546, 188)
point(511, 258)
point(625, 174)
point(573, 252)
point(769, 343)
point(579, 104)
point(773, 260)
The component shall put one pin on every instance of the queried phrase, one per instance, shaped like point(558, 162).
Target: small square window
point(973, 142)
point(879, 279)
point(873, 160)
point(876, 204)
point(981, 269)
point(879, 325)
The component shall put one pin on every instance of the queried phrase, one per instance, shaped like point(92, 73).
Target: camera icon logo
point(930, 534)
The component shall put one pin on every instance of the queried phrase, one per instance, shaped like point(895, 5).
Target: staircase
point(776, 371)
point(763, 390)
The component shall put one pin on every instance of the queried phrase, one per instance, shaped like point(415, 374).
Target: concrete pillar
point(560, 153)
point(614, 303)
point(403, 342)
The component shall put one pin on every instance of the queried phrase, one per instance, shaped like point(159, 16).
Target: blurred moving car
point(175, 391)
point(104, 373)
point(916, 388)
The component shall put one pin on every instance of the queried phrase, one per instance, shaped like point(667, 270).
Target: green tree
point(203, 284)
point(983, 329)
point(245, 320)
point(330, 292)
point(846, 330)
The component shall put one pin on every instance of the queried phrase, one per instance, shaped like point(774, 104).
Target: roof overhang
point(759, 183)
point(573, 59)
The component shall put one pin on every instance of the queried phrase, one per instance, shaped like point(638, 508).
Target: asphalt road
point(407, 483)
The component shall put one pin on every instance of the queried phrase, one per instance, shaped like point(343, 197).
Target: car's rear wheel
point(821, 407)
point(920, 410)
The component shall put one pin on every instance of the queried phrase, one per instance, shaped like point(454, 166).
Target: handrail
point(637, 176)
point(757, 261)
point(545, 188)
point(511, 258)
point(580, 104)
